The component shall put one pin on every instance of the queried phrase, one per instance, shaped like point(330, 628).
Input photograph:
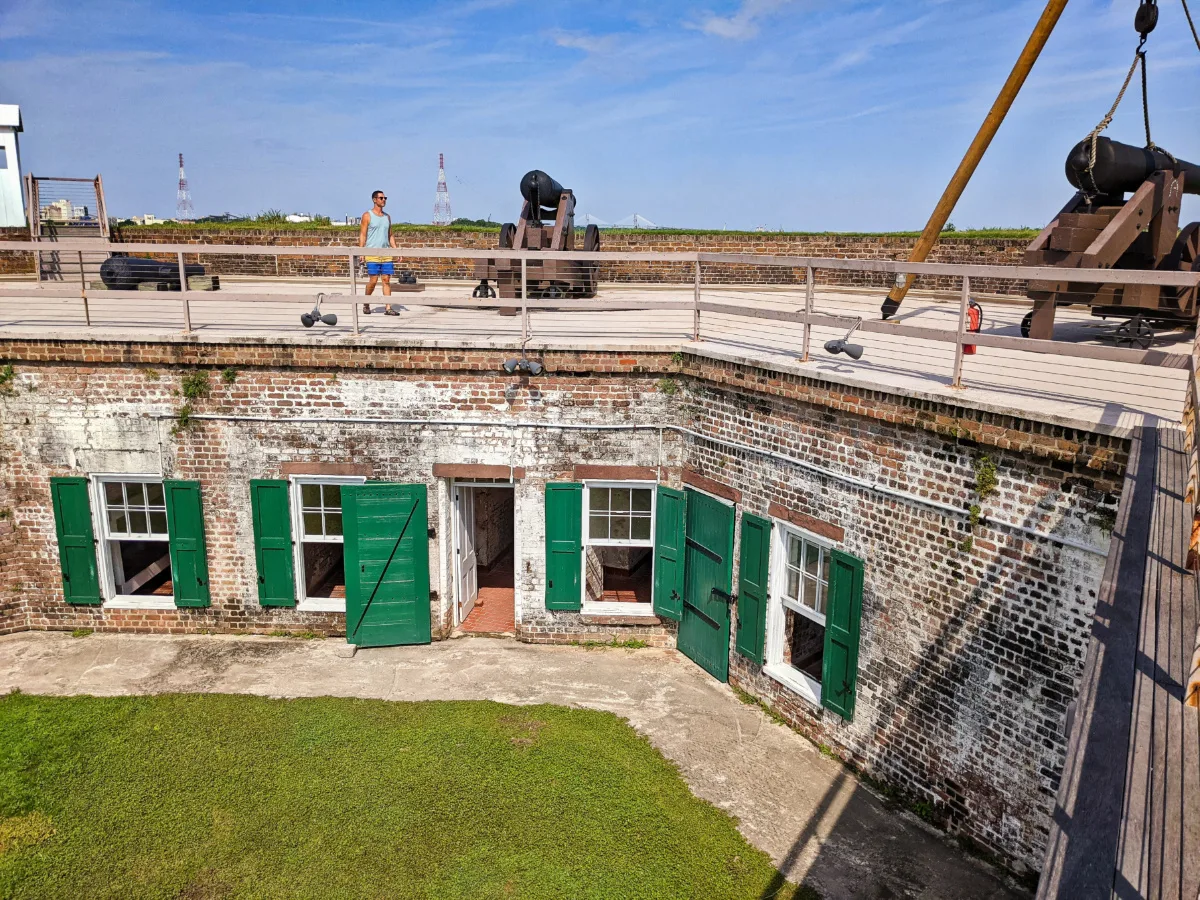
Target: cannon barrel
point(1121, 168)
point(127, 272)
point(542, 191)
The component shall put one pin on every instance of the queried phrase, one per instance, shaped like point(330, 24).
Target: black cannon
point(125, 273)
point(1100, 229)
point(547, 222)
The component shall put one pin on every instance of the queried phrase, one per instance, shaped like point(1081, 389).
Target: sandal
point(388, 311)
point(367, 309)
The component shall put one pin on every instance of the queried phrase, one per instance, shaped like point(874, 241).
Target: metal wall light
point(522, 365)
point(842, 345)
point(309, 319)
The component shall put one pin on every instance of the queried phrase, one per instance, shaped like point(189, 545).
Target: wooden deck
point(1127, 821)
point(1102, 395)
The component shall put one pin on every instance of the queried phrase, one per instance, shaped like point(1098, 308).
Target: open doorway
point(484, 529)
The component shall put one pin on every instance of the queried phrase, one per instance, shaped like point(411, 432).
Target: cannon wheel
point(1026, 324)
point(1135, 332)
point(508, 232)
point(591, 238)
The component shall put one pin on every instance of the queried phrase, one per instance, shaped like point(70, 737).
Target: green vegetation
point(151, 374)
point(196, 385)
point(302, 635)
point(985, 477)
point(668, 386)
point(631, 644)
point(81, 632)
point(8, 376)
point(220, 796)
point(229, 374)
point(183, 419)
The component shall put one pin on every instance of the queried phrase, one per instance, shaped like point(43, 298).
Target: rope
point(1187, 12)
point(1094, 136)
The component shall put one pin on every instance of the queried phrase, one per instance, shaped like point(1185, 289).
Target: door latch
point(723, 595)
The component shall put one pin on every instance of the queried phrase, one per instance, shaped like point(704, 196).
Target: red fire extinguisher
point(974, 324)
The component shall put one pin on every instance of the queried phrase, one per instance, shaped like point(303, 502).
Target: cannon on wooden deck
point(1100, 229)
point(547, 222)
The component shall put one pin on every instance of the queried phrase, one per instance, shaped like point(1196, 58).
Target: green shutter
point(76, 540)
point(843, 613)
point(273, 543)
point(189, 558)
point(564, 545)
point(668, 552)
point(753, 579)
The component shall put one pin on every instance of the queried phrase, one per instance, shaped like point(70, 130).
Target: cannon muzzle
point(542, 191)
point(1121, 168)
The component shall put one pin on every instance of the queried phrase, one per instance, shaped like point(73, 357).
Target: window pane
point(794, 547)
point(112, 493)
point(620, 528)
point(310, 496)
point(620, 499)
point(599, 499)
point(158, 523)
point(821, 591)
point(641, 528)
point(333, 523)
point(137, 496)
point(793, 584)
point(138, 524)
point(154, 494)
point(641, 500)
point(333, 496)
point(312, 523)
point(812, 560)
point(598, 527)
point(117, 523)
point(810, 594)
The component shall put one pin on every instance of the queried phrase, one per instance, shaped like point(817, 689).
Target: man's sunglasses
point(381, 197)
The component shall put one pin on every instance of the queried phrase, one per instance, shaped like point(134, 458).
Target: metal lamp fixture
point(842, 345)
point(523, 364)
point(309, 319)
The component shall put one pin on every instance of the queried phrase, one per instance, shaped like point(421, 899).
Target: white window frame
point(108, 580)
point(790, 677)
point(600, 608)
point(296, 483)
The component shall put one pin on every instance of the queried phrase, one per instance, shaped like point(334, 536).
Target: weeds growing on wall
point(196, 385)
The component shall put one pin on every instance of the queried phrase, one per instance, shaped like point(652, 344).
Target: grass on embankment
point(205, 796)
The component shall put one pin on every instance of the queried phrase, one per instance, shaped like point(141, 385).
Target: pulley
point(1146, 18)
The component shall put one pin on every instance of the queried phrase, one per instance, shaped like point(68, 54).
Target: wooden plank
point(1081, 852)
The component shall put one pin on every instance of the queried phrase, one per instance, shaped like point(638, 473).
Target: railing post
point(87, 313)
point(353, 292)
point(524, 299)
point(696, 304)
point(808, 306)
point(963, 305)
point(183, 289)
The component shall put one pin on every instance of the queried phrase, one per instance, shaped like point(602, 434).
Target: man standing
point(376, 231)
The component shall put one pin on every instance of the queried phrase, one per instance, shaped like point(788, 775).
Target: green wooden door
point(273, 542)
point(668, 553)
point(76, 540)
point(387, 564)
point(189, 558)
point(708, 581)
point(564, 545)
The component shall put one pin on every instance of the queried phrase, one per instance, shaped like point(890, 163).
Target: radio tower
point(183, 197)
point(441, 206)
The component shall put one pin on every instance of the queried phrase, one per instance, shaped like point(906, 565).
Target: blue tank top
point(377, 230)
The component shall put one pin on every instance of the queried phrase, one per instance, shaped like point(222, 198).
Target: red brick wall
point(997, 251)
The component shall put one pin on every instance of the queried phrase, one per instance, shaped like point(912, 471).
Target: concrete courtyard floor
point(816, 821)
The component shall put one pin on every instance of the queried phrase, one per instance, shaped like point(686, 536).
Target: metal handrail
point(805, 316)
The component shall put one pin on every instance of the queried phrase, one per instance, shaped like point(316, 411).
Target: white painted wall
point(12, 201)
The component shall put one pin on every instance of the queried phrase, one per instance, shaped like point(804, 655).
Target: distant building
point(58, 211)
point(12, 201)
point(147, 219)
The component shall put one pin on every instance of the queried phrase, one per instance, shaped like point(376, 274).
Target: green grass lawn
point(205, 796)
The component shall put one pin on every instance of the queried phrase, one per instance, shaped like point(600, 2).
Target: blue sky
point(801, 114)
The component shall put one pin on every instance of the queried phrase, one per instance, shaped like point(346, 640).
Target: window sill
point(622, 610)
point(321, 604)
point(129, 601)
point(794, 681)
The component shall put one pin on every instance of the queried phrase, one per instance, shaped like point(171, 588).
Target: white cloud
point(742, 25)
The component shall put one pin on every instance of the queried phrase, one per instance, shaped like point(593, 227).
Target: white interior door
point(468, 578)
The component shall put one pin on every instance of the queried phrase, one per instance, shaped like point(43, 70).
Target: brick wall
point(12, 263)
point(970, 650)
point(995, 251)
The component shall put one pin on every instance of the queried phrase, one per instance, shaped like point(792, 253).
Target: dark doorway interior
point(495, 523)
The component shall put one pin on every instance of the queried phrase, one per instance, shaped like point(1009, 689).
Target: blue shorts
point(374, 269)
